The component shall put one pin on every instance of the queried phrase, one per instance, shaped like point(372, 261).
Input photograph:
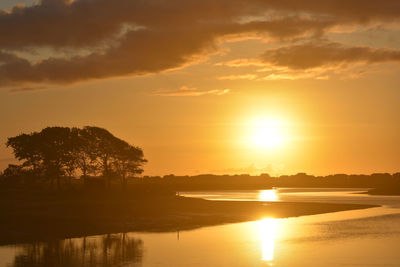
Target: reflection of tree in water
point(108, 250)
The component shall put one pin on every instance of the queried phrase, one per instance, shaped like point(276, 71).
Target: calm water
point(369, 237)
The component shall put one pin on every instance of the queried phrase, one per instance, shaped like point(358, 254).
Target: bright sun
point(267, 133)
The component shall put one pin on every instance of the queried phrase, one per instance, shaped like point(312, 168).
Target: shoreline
point(163, 215)
point(384, 192)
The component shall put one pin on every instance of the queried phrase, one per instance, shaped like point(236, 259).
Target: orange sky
point(186, 80)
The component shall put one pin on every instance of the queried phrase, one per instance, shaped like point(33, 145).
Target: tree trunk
point(58, 182)
point(106, 173)
point(124, 183)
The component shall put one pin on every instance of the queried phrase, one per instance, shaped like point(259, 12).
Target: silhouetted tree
point(102, 144)
point(128, 161)
point(12, 170)
point(57, 151)
point(114, 156)
point(84, 152)
point(48, 150)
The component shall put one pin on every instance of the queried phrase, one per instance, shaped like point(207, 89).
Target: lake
point(368, 237)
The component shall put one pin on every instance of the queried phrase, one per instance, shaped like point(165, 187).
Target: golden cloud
point(190, 91)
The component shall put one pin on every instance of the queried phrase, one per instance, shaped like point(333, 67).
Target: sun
point(267, 133)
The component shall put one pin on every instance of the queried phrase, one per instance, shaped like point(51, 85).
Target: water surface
point(368, 237)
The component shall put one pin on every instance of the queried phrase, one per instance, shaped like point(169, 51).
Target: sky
point(212, 86)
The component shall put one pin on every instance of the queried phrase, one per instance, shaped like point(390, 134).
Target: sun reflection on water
point(268, 228)
point(268, 195)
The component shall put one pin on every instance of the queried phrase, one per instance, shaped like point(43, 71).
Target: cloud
point(27, 89)
point(320, 54)
point(238, 77)
point(358, 10)
point(312, 60)
point(101, 39)
point(190, 91)
point(242, 62)
point(294, 76)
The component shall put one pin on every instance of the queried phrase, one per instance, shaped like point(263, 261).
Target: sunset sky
point(211, 86)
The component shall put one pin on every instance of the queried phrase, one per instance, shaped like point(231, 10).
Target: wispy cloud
point(190, 91)
point(27, 89)
point(238, 77)
point(242, 62)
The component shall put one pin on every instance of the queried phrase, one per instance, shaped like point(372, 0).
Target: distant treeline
point(245, 181)
point(242, 181)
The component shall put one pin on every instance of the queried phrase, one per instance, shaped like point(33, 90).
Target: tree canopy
point(55, 152)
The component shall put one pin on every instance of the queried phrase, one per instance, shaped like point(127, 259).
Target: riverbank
point(394, 191)
point(27, 218)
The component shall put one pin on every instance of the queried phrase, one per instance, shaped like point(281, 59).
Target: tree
point(128, 161)
point(102, 145)
point(114, 156)
point(26, 148)
point(18, 174)
point(49, 150)
point(84, 156)
point(57, 151)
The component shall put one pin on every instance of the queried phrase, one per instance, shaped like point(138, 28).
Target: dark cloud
point(125, 37)
point(321, 54)
point(88, 22)
point(27, 89)
point(140, 52)
point(359, 10)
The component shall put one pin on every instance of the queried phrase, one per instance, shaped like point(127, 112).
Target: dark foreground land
point(32, 216)
point(388, 191)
